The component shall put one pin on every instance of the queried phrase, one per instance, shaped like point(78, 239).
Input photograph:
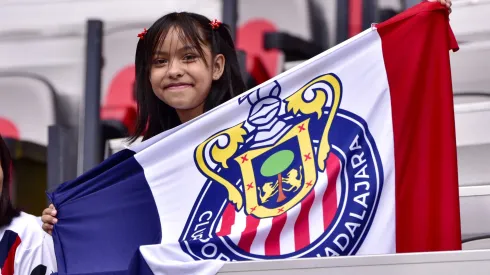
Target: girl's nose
point(175, 70)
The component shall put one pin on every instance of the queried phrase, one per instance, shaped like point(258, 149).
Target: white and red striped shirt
point(25, 249)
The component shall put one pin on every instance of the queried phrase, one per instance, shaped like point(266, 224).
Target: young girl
point(24, 247)
point(185, 66)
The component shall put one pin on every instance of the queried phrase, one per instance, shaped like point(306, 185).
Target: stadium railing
point(447, 263)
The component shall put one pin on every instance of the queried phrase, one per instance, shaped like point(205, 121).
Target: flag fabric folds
point(351, 152)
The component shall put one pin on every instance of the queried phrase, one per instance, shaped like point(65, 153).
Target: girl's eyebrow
point(187, 48)
point(182, 49)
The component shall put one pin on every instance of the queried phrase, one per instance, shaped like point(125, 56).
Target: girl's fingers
point(50, 211)
point(47, 227)
point(49, 219)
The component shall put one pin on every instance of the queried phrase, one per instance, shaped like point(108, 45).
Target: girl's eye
point(190, 58)
point(160, 61)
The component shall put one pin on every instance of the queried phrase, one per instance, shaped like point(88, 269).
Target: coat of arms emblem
point(292, 156)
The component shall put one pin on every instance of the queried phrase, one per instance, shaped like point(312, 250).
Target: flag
point(350, 153)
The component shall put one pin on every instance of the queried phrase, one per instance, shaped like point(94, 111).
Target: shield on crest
point(277, 177)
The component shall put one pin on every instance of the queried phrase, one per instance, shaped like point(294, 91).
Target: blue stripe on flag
point(115, 194)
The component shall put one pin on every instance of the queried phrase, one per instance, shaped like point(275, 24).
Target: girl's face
point(180, 77)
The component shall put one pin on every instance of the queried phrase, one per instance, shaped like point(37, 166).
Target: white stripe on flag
point(315, 217)
point(263, 230)
point(339, 184)
point(239, 226)
point(287, 242)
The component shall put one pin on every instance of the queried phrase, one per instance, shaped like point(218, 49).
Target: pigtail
point(226, 46)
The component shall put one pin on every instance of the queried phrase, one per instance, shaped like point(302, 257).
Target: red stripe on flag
point(416, 48)
point(330, 196)
point(302, 225)
point(248, 235)
point(273, 240)
point(8, 265)
point(227, 220)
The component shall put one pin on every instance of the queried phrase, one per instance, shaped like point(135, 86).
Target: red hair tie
point(141, 35)
point(215, 24)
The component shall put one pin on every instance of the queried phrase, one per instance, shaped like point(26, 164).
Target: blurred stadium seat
point(118, 112)
point(292, 16)
point(57, 58)
point(8, 129)
point(473, 148)
point(473, 141)
point(119, 48)
point(470, 67)
point(260, 64)
point(28, 108)
point(475, 210)
point(28, 102)
point(118, 107)
point(270, 38)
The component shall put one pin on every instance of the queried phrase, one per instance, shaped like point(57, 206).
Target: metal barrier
point(447, 263)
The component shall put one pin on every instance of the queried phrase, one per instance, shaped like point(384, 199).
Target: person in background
point(185, 66)
point(25, 248)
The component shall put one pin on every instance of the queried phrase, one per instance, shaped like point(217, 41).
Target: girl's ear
point(218, 66)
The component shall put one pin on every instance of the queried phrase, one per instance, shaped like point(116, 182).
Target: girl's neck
point(186, 115)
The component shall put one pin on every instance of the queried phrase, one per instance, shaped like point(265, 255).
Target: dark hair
point(154, 115)
point(7, 210)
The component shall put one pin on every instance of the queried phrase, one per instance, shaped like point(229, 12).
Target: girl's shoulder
point(24, 231)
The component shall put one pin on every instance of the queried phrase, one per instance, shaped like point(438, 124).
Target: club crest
point(300, 177)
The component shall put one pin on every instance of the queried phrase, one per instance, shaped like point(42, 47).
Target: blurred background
point(67, 76)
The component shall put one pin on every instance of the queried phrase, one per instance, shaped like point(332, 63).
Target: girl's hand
point(447, 3)
point(49, 219)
